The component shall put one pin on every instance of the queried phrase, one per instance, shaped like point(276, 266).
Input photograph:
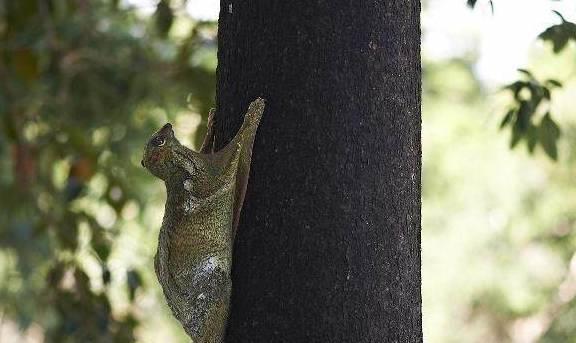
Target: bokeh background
point(83, 83)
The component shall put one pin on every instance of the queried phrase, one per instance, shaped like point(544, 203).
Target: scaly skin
point(205, 196)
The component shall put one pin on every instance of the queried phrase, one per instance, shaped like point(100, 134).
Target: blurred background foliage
point(499, 237)
point(83, 84)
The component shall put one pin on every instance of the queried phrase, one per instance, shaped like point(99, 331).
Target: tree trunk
point(328, 247)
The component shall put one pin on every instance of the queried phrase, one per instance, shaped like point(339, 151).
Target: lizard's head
point(158, 154)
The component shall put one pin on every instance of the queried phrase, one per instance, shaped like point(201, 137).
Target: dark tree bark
point(328, 247)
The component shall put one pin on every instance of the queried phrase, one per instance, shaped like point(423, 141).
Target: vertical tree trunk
point(328, 248)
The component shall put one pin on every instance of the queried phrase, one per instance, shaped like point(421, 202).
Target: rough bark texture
point(328, 247)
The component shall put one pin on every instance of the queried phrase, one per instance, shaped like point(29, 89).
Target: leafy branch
point(529, 118)
point(524, 117)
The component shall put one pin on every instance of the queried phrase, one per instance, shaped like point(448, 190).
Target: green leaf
point(553, 83)
point(525, 111)
point(522, 122)
point(526, 72)
point(546, 94)
point(559, 35)
point(531, 137)
point(549, 133)
point(507, 119)
point(536, 94)
point(516, 137)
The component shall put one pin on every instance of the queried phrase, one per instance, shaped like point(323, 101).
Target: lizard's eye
point(159, 141)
